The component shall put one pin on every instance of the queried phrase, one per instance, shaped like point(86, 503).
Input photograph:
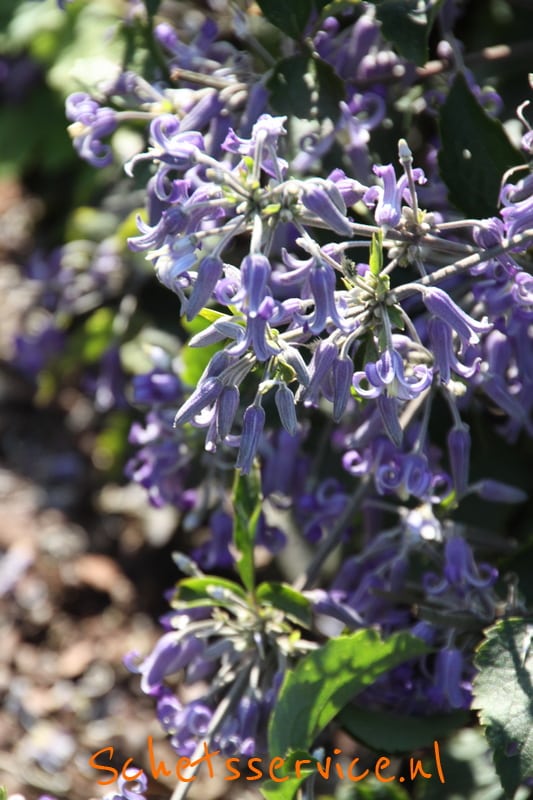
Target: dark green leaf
point(305, 87)
point(247, 501)
point(406, 27)
point(503, 693)
point(152, 6)
point(285, 790)
point(325, 680)
point(291, 18)
point(475, 152)
point(392, 733)
point(294, 605)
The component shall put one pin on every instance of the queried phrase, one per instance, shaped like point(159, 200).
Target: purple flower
point(325, 201)
point(252, 428)
point(461, 573)
point(459, 454)
point(498, 492)
point(176, 146)
point(262, 144)
point(326, 311)
point(449, 688)
point(441, 305)
point(204, 395)
point(442, 347)
point(387, 376)
point(284, 399)
point(156, 387)
point(209, 272)
point(90, 124)
point(170, 655)
point(388, 198)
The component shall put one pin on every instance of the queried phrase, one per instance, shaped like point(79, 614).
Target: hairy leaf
point(503, 693)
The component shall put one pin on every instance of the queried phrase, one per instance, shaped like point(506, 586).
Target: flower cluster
point(352, 327)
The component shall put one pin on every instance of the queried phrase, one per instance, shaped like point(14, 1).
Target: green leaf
point(247, 499)
point(393, 733)
point(286, 790)
point(376, 254)
point(152, 6)
point(293, 604)
point(475, 152)
point(503, 693)
point(196, 359)
point(291, 18)
point(324, 681)
point(407, 27)
point(305, 87)
point(3, 793)
point(335, 7)
point(198, 591)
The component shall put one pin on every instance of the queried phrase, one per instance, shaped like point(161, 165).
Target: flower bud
point(286, 408)
point(252, 428)
point(459, 455)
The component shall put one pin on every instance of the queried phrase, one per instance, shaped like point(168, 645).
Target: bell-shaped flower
point(448, 680)
point(204, 395)
point(209, 272)
point(387, 376)
point(325, 201)
point(172, 144)
point(326, 311)
point(388, 197)
point(440, 304)
point(171, 654)
point(442, 347)
point(90, 123)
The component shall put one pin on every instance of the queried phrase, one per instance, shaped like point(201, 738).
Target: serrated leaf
point(321, 684)
point(393, 733)
point(305, 87)
point(293, 604)
point(291, 18)
point(475, 152)
point(247, 504)
point(407, 27)
point(286, 789)
point(503, 694)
